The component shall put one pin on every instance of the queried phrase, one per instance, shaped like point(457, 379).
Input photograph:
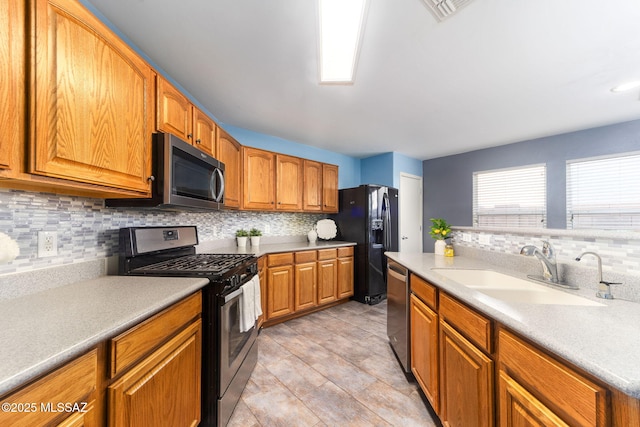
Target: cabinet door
point(229, 152)
point(12, 85)
point(174, 111)
point(329, 188)
point(306, 277)
point(204, 130)
point(289, 183)
point(92, 103)
point(259, 179)
point(466, 382)
point(312, 192)
point(280, 291)
point(263, 290)
point(149, 394)
point(345, 277)
point(424, 349)
point(327, 280)
point(519, 408)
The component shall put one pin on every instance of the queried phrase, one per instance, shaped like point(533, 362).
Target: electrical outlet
point(466, 237)
point(484, 239)
point(47, 243)
point(267, 229)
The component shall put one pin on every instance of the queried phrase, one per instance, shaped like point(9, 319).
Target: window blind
point(514, 197)
point(604, 192)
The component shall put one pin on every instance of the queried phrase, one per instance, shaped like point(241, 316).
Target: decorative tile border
point(87, 230)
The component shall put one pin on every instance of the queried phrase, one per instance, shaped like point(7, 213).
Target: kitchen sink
point(511, 289)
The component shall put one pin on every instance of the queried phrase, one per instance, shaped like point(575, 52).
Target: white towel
point(257, 295)
point(250, 304)
point(247, 307)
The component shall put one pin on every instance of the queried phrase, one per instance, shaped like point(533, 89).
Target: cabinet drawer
point(344, 252)
point(471, 324)
point(72, 383)
point(280, 259)
point(306, 256)
point(577, 400)
point(424, 290)
point(130, 346)
point(327, 254)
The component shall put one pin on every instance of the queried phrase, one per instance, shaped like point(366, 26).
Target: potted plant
point(440, 231)
point(241, 237)
point(255, 234)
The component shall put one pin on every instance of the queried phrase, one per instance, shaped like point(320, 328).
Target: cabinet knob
point(151, 178)
point(190, 136)
point(198, 141)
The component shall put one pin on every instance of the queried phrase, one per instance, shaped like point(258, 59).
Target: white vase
point(255, 240)
point(312, 235)
point(439, 247)
point(242, 241)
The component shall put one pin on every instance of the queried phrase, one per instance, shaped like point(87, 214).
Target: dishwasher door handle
point(400, 275)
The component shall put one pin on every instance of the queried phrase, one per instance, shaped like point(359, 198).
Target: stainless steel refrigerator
point(369, 216)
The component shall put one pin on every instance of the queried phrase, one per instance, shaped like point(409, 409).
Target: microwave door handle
point(214, 178)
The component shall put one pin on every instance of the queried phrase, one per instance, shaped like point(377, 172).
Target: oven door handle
point(233, 295)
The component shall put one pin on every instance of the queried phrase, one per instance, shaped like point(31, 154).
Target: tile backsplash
point(87, 230)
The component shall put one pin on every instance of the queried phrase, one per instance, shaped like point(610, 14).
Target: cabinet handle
point(151, 178)
point(198, 141)
point(189, 135)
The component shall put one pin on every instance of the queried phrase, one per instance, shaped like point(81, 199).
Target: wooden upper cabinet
point(258, 189)
point(289, 185)
point(12, 85)
point(229, 152)
point(178, 116)
point(174, 111)
point(204, 130)
point(312, 186)
point(329, 188)
point(91, 103)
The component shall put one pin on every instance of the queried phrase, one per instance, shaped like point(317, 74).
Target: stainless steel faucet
point(547, 257)
point(604, 288)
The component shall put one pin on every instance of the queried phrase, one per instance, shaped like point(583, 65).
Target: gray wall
point(448, 181)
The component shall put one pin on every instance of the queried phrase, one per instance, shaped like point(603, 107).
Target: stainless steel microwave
point(184, 178)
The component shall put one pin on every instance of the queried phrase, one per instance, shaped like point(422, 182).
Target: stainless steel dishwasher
point(398, 312)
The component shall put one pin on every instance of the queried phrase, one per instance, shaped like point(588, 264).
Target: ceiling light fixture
point(626, 86)
point(341, 24)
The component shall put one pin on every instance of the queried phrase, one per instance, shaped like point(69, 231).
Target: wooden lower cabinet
point(164, 388)
point(466, 381)
point(304, 281)
point(424, 349)
point(536, 389)
point(280, 285)
point(37, 404)
point(263, 289)
point(345, 272)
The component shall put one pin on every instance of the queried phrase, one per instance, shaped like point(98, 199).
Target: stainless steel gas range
point(229, 351)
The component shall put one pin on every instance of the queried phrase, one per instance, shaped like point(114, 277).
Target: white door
point(410, 207)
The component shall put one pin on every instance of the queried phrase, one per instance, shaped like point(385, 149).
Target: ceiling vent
point(442, 9)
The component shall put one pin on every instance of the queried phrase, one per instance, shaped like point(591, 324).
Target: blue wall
point(448, 181)
point(385, 169)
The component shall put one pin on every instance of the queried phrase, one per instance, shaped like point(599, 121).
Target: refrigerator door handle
point(386, 211)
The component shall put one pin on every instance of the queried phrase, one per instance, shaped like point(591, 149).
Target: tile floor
point(331, 368)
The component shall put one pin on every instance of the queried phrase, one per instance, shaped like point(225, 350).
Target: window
point(515, 197)
point(604, 192)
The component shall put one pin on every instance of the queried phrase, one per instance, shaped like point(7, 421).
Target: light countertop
point(272, 248)
point(42, 331)
point(602, 340)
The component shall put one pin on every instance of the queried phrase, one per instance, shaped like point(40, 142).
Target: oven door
point(234, 345)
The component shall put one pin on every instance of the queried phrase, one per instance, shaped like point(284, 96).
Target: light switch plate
point(47, 243)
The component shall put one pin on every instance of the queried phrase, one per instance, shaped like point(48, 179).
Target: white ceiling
point(499, 71)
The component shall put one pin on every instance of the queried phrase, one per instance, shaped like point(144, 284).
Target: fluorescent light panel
point(341, 24)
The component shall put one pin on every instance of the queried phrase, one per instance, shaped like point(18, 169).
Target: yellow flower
point(437, 231)
point(444, 232)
